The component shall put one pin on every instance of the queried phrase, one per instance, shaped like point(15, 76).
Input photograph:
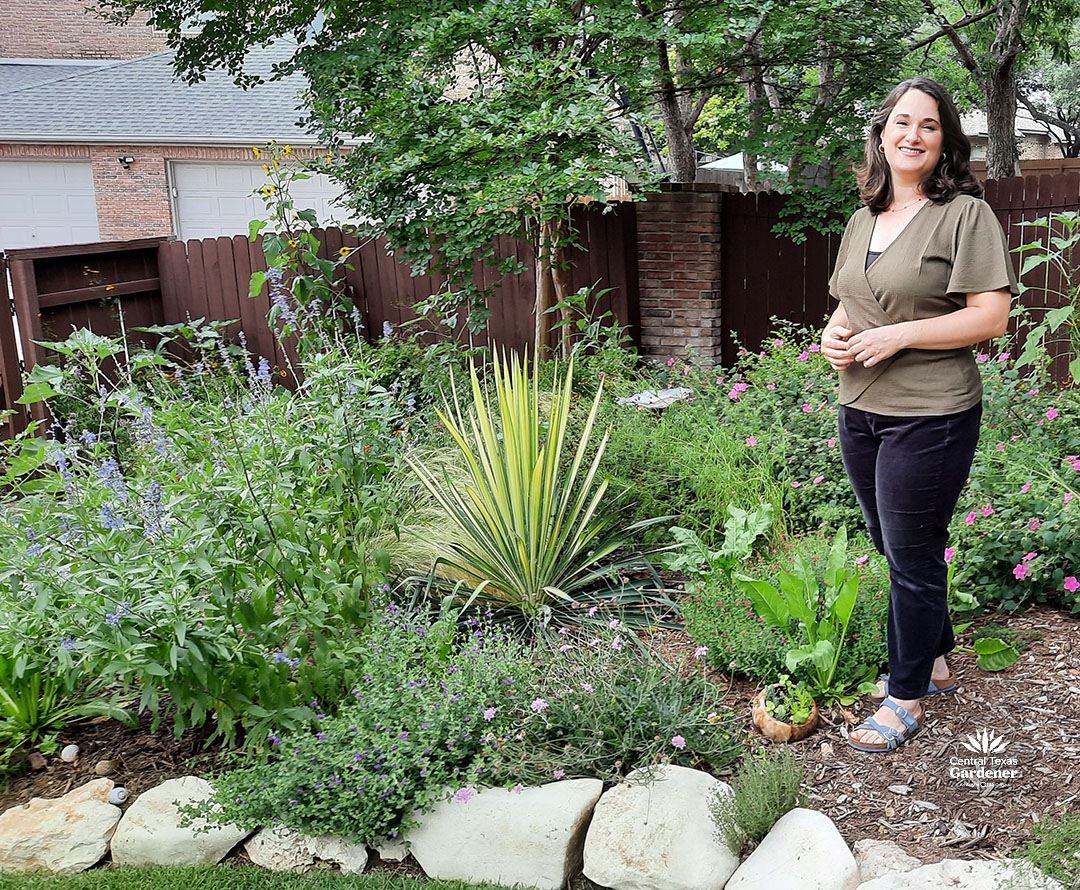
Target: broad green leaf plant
point(819, 617)
point(1056, 258)
point(742, 529)
point(532, 532)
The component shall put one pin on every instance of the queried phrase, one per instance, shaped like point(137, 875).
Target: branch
point(966, 58)
point(969, 19)
point(695, 112)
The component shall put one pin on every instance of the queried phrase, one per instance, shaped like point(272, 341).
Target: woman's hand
point(834, 346)
point(876, 344)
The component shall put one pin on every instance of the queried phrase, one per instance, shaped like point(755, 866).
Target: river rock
point(804, 850)
point(658, 835)
point(529, 836)
point(66, 834)
point(151, 834)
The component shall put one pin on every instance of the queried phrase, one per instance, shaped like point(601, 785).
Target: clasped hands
point(840, 347)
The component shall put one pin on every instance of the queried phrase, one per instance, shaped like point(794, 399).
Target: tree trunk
point(1000, 92)
point(552, 286)
point(682, 161)
point(752, 77)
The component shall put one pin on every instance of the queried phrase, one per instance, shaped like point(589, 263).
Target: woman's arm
point(834, 344)
point(985, 316)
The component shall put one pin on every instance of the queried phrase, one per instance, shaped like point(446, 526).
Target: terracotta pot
point(777, 730)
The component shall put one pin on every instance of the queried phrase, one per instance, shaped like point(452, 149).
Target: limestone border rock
point(660, 835)
point(530, 838)
point(150, 832)
point(67, 834)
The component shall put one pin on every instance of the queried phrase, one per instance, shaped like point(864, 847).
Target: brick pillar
point(679, 270)
point(133, 201)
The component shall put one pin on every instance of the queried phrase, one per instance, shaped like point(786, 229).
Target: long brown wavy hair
point(951, 176)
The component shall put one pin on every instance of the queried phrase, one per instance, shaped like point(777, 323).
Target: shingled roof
point(141, 101)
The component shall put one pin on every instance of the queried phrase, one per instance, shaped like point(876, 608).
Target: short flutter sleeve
point(980, 253)
point(841, 257)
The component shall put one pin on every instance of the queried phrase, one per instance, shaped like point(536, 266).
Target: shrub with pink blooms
point(1017, 529)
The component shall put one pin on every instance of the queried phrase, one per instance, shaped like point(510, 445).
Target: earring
point(881, 148)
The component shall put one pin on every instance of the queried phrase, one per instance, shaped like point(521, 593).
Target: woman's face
point(912, 137)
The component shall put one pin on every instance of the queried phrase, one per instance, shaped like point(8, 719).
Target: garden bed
point(1033, 705)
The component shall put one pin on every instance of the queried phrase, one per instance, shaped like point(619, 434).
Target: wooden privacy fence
point(157, 281)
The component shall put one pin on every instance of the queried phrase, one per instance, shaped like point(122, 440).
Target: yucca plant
point(531, 533)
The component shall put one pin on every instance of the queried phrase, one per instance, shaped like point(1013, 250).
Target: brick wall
point(64, 29)
point(679, 271)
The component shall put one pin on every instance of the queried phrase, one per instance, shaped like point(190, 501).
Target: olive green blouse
point(946, 251)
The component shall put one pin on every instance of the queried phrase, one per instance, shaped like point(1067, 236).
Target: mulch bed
point(906, 796)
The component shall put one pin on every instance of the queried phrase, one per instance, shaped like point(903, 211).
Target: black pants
point(907, 473)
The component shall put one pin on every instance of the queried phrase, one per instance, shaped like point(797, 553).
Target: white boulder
point(502, 837)
point(961, 874)
point(66, 834)
point(282, 849)
point(878, 858)
point(804, 850)
point(151, 834)
point(659, 835)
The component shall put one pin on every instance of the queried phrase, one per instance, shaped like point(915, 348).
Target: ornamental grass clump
point(532, 529)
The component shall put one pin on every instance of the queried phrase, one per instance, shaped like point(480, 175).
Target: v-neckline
point(896, 237)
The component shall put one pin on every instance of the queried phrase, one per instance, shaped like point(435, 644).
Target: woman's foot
point(886, 716)
point(941, 680)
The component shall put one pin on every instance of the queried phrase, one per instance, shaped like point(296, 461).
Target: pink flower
point(1051, 413)
point(1033, 392)
point(616, 643)
point(804, 355)
point(807, 407)
point(1020, 570)
point(614, 623)
point(592, 611)
point(701, 651)
point(970, 518)
point(818, 479)
point(1025, 488)
point(538, 705)
point(588, 687)
point(518, 788)
point(770, 386)
point(777, 342)
point(1000, 446)
point(671, 361)
point(489, 714)
point(719, 381)
point(733, 393)
point(862, 559)
point(987, 510)
point(815, 347)
point(1035, 525)
point(678, 741)
point(464, 795)
point(751, 441)
point(982, 357)
point(796, 484)
point(950, 552)
point(1003, 357)
point(1071, 584)
point(559, 774)
point(1068, 497)
point(832, 442)
point(1076, 464)
point(565, 647)
point(1030, 556)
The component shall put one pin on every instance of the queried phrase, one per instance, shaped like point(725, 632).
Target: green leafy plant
point(1060, 325)
point(742, 529)
point(766, 785)
point(1054, 848)
point(532, 534)
point(788, 702)
point(818, 616)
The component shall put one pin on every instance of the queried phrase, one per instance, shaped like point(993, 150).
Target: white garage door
point(46, 202)
point(216, 199)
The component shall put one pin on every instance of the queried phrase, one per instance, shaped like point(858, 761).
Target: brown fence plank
point(10, 373)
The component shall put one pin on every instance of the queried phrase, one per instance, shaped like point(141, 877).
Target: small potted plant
point(784, 711)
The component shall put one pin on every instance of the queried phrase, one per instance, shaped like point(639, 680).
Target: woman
point(923, 273)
